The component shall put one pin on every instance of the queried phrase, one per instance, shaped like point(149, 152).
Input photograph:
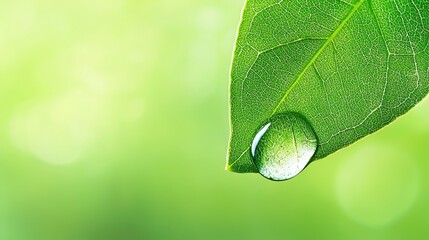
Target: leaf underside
point(350, 67)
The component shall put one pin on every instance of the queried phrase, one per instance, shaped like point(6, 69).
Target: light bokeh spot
point(377, 185)
point(60, 130)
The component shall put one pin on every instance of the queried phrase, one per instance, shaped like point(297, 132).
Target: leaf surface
point(350, 67)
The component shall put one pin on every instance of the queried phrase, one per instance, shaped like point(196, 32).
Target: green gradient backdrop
point(114, 125)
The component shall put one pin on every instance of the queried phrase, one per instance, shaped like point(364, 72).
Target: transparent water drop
point(283, 146)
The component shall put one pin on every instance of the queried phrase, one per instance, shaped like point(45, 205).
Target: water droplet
point(283, 146)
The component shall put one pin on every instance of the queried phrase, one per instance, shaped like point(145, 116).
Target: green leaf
point(350, 67)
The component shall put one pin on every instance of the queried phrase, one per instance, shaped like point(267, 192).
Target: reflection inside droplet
point(258, 137)
point(283, 147)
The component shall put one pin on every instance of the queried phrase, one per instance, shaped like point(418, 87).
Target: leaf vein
point(314, 58)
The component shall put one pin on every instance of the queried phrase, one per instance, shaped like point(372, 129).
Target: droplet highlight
point(283, 146)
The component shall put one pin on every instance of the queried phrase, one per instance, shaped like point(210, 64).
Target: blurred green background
point(114, 125)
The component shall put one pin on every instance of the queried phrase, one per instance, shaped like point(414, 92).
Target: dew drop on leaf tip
point(283, 146)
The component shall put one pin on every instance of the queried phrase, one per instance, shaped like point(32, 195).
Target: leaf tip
point(228, 168)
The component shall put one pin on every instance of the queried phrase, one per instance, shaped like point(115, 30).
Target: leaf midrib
point(312, 60)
